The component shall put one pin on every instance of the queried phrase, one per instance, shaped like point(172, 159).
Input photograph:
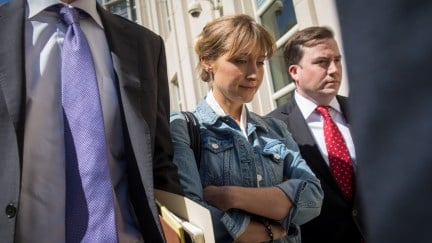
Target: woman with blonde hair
point(251, 176)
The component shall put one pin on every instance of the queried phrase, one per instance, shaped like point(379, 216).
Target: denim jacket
point(268, 157)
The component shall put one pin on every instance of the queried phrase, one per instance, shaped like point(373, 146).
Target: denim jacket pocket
point(217, 156)
point(216, 146)
point(276, 150)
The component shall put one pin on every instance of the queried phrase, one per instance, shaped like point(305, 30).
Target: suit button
point(354, 212)
point(11, 210)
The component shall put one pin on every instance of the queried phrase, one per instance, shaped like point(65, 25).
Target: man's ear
point(293, 71)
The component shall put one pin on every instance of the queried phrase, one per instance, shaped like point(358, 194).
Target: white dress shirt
point(315, 121)
point(210, 99)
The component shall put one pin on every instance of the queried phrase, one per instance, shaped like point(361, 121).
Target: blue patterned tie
point(89, 197)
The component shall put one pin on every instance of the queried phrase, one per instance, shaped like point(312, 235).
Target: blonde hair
point(237, 34)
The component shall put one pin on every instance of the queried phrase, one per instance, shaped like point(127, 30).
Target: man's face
point(319, 73)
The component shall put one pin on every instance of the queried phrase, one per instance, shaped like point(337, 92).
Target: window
point(278, 70)
point(278, 16)
point(133, 12)
point(259, 3)
point(165, 19)
point(119, 8)
point(284, 99)
point(176, 101)
point(124, 8)
point(167, 15)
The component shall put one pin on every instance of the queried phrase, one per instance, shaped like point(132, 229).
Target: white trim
point(285, 90)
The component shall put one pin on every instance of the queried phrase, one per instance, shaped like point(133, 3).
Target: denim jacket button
point(276, 156)
point(215, 146)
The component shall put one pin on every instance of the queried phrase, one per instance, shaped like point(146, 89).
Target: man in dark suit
point(314, 62)
point(388, 52)
point(131, 76)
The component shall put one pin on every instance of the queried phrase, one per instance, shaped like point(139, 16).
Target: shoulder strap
point(194, 134)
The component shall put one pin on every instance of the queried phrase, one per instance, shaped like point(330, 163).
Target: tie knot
point(70, 15)
point(323, 110)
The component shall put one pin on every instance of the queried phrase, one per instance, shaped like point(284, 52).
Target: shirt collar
point(214, 104)
point(89, 6)
point(307, 107)
point(210, 99)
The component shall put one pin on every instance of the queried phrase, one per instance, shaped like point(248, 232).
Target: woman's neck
point(231, 108)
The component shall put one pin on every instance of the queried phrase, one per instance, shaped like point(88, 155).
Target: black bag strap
point(194, 134)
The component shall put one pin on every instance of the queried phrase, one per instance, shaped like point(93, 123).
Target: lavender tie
point(89, 197)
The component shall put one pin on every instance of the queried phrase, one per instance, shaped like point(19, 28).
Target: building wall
point(170, 19)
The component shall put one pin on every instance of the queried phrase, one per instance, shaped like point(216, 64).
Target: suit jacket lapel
point(12, 82)
point(343, 102)
point(307, 144)
point(125, 56)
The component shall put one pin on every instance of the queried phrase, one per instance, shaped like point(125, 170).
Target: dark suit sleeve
point(165, 171)
point(388, 53)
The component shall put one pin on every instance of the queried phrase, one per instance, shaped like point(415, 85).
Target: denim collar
point(209, 117)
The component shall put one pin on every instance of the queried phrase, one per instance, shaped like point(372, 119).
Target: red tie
point(339, 157)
